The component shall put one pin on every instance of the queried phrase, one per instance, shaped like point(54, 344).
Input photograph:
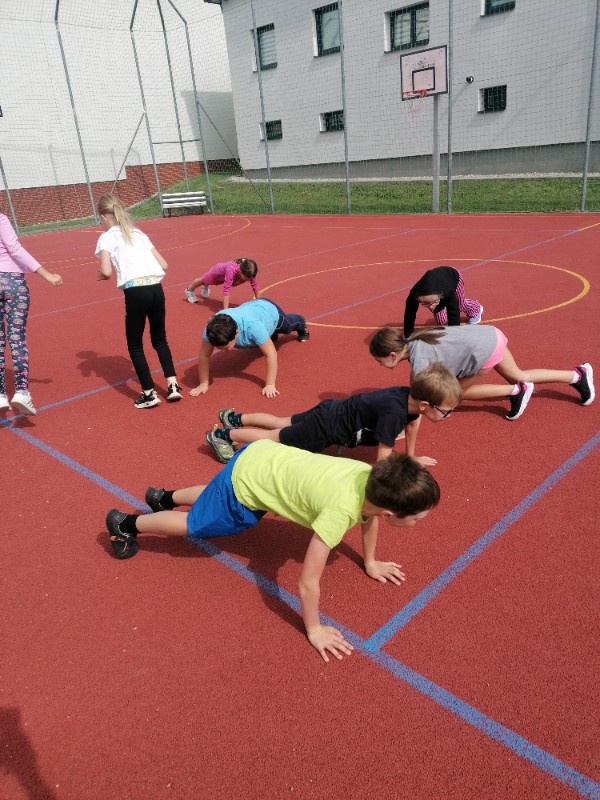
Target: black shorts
point(309, 429)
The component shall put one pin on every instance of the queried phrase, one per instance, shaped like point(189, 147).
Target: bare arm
point(411, 444)
point(383, 451)
point(382, 571)
point(269, 351)
point(325, 638)
point(206, 350)
point(159, 258)
point(105, 269)
point(51, 277)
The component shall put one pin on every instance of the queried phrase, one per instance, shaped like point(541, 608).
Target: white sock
point(576, 376)
point(516, 389)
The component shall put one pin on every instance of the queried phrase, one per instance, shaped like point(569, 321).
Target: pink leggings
point(471, 308)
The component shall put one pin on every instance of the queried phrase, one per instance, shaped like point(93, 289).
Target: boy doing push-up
point(325, 494)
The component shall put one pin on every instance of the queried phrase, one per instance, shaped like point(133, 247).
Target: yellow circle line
point(582, 293)
point(84, 263)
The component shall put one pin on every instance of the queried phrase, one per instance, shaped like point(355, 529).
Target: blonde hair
point(435, 385)
point(109, 204)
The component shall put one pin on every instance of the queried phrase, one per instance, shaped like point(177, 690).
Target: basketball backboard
point(424, 71)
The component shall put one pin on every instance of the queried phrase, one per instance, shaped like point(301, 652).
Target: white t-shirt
point(135, 260)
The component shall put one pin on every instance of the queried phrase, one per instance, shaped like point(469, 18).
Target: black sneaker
point(147, 400)
point(518, 402)
point(173, 393)
point(303, 335)
point(124, 545)
point(585, 384)
point(153, 498)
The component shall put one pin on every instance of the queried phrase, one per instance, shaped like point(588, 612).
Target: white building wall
point(542, 51)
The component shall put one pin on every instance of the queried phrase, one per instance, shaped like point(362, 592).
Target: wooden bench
point(183, 200)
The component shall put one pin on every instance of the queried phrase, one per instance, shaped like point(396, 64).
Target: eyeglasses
point(444, 412)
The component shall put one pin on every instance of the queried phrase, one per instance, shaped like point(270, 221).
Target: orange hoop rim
point(413, 94)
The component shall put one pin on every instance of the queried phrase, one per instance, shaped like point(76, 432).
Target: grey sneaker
point(4, 404)
point(223, 450)
point(518, 402)
point(204, 291)
point(191, 296)
point(585, 384)
point(224, 418)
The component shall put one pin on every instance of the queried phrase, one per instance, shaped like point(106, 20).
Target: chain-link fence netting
point(296, 107)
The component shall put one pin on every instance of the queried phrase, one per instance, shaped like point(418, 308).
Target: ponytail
point(109, 204)
point(392, 340)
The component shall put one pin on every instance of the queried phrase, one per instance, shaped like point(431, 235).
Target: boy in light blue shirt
point(257, 323)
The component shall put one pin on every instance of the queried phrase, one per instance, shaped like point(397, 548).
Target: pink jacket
point(13, 256)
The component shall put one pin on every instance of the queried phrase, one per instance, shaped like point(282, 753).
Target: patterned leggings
point(471, 308)
point(14, 307)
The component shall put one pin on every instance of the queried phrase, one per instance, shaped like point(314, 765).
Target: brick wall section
point(52, 203)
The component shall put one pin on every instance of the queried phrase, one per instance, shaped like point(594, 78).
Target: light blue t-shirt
point(256, 321)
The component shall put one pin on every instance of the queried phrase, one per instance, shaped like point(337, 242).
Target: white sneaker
point(191, 296)
point(22, 403)
point(205, 291)
point(4, 404)
point(476, 320)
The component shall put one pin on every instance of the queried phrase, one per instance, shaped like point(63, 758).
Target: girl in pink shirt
point(15, 262)
point(228, 273)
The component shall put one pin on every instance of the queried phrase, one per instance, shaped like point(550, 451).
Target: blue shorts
point(218, 512)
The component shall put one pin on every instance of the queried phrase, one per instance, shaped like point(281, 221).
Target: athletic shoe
point(585, 384)
point(303, 335)
point(22, 403)
point(191, 296)
point(4, 404)
point(224, 418)
point(476, 320)
point(518, 402)
point(124, 545)
point(153, 498)
point(173, 393)
point(147, 400)
point(223, 450)
point(205, 291)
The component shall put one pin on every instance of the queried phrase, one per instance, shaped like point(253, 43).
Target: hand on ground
point(327, 639)
point(384, 571)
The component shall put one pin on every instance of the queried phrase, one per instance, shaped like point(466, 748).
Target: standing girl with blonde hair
point(139, 270)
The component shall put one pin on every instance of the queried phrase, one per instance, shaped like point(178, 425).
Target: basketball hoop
point(415, 94)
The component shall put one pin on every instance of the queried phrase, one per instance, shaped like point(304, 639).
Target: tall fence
point(279, 107)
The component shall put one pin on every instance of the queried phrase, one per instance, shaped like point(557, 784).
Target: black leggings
point(287, 323)
point(143, 302)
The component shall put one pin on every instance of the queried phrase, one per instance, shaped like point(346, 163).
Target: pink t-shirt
point(13, 256)
point(228, 273)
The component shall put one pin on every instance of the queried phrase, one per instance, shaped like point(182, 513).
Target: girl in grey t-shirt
point(468, 350)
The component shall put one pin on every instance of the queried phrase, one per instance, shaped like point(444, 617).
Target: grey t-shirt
point(464, 349)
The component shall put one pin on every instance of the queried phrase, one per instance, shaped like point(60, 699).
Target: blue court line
point(494, 730)
point(418, 603)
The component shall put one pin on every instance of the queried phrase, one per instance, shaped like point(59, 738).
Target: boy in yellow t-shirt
point(328, 495)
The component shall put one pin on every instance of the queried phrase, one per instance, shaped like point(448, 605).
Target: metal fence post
point(346, 164)
point(449, 67)
point(7, 190)
point(588, 130)
point(72, 99)
point(262, 105)
point(196, 103)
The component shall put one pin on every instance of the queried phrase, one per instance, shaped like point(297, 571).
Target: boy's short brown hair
point(221, 329)
point(435, 385)
point(401, 485)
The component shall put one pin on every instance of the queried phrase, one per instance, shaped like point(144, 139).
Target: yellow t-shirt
point(316, 491)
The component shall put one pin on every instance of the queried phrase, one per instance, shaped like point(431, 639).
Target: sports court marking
point(365, 301)
point(522, 747)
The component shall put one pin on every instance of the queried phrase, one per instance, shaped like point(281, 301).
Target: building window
point(409, 27)
point(331, 121)
point(327, 22)
point(493, 99)
point(266, 46)
point(274, 130)
point(496, 6)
